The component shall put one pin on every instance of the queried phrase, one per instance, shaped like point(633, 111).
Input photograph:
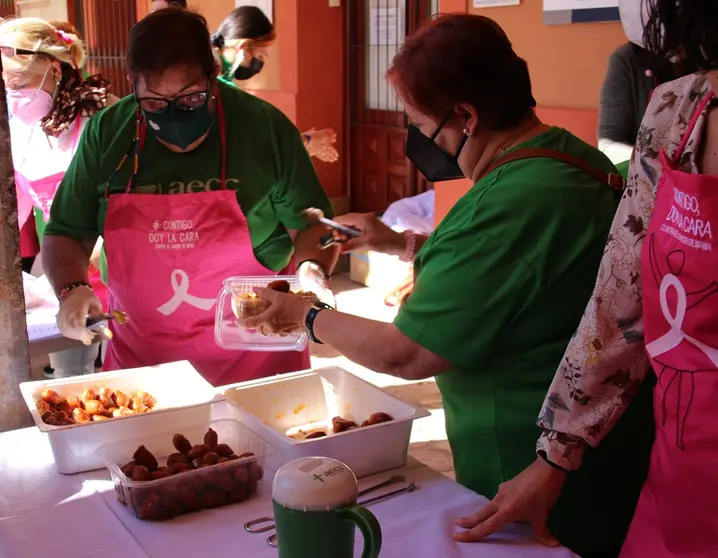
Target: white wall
point(51, 10)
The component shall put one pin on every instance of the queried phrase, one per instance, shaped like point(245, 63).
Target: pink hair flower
point(64, 37)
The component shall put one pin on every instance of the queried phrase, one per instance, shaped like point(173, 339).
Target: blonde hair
point(74, 96)
point(37, 35)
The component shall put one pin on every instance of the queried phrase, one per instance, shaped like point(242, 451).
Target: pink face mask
point(29, 105)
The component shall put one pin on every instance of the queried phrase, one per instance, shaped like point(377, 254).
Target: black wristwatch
point(542, 455)
point(311, 316)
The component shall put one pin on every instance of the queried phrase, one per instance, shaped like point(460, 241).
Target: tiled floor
point(428, 439)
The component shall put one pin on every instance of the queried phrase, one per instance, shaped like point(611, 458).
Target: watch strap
point(311, 316)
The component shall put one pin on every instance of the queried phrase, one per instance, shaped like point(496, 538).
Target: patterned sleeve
point(605, 361)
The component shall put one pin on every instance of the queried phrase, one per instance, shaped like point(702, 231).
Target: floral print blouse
point(606, 361)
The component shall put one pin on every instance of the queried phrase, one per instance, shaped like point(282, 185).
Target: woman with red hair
point(502, 281)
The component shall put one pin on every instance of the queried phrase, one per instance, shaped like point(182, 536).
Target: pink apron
point(38, 193)
point(41, 192)
point(167, 257)
point(677, 514)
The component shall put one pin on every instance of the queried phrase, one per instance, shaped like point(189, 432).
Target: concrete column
point(14, 350)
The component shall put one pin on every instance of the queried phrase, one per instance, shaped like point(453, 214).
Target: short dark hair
point(179, 3)
point(687, 30)
point(246, 22)
point(167, 39)
point(462, 58)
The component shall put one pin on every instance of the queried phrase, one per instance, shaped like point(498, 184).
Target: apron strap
point(691, 126)
point(76, 133)
point(614, 180)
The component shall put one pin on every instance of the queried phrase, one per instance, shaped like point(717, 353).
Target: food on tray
point(246, 305)
point(377, 418)
point(91, 406)
point(315, 434)
point(188, 493)
point(340, 424)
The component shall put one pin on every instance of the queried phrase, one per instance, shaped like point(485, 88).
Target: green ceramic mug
point(316, 511)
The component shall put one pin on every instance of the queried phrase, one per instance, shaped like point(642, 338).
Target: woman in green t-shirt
point(242, 45)
point(501, 283)
point(189, 182)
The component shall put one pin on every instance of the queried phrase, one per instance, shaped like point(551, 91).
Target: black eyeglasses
point(10, 52)
point(189, 102)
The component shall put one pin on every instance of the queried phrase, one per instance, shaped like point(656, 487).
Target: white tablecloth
point(43, 513)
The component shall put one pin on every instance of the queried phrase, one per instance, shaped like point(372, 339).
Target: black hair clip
point(218, 40)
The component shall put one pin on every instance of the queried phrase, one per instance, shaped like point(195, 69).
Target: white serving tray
point(273, 406)
point(184, 398)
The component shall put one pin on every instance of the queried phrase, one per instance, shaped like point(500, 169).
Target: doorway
point(379, 171)
point(7, 8)
point(105, 27)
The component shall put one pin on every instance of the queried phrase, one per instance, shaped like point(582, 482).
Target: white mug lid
point(315, 483)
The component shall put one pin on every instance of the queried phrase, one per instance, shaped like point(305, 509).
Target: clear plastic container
point(235, 301)
point(209, 487)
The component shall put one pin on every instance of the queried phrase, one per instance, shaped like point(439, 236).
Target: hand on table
point(528, 497)
point(321, 144)
point(75, 307)
point(375, 235)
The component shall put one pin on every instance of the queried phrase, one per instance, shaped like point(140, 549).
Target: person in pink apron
point(195, 182)
point(676, 515)
point(655, 306)
point(49, 103)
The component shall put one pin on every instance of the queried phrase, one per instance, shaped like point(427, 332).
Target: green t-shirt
point(267, 165)
point(500, 287)
point(623, 168)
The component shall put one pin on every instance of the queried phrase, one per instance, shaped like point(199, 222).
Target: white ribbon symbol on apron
point(180, 286)
point(675, 335)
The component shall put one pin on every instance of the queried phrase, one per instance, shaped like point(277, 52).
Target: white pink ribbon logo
point(675, 335)
point(180, 286)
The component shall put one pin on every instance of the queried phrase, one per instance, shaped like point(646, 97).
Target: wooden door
point(105, 26)
point(379, 171)
point(7, 8)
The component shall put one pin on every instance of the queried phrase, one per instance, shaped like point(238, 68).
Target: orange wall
point(321, 82)
point(567, 62)
point(304, 76)
point(567, 65)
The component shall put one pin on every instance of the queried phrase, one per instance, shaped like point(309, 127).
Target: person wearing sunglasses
point(242, 45)
point(50, 104)
point(189, 182)
point(500, 284)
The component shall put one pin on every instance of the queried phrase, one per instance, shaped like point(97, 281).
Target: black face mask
point(247, 72)
point(432, 161)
